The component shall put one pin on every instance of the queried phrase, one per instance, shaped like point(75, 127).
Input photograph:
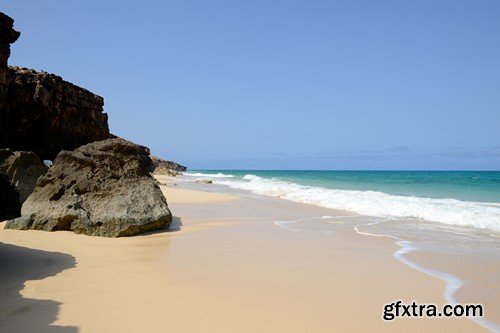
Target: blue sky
point(283, 84)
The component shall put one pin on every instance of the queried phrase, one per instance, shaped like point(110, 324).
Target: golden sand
point(226, 267)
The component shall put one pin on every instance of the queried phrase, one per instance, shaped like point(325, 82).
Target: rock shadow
point(18, 265)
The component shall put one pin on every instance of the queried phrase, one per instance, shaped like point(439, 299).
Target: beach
point(246, 166)
point(228, 263)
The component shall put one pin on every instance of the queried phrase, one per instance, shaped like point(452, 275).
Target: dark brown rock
point(46, 114)
point(7, 36)
point(103, 188)
point(206, 181)
point(23, 168)
point(163, 167)
point(10, 207)
point(41, 112)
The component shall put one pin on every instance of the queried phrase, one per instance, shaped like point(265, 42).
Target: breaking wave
point(207, 175)
point(372, 203)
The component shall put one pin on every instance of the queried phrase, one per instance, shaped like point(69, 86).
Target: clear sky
point(402, 84)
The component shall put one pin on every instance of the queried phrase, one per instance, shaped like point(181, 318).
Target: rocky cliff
point(7, 36)
point(46, 114)
point(41, 112)
point(98, 184)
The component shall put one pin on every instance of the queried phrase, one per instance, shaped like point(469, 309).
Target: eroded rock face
point(7, 36)
point(41, 112)
point(23, 168)
point(45, 114)
point(103, 188)
point(163, 167)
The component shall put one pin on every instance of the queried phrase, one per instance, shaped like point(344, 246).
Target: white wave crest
point(207, 175)
point(252, 177)
point(371, 203)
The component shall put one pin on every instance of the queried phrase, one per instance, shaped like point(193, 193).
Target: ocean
point(444, 213)
point(461, 198)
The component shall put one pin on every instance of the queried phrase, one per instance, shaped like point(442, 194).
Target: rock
point(23, 168)
point(103, 188)
point(7, 36)
point(45, 114)
point(41, 112)
point(10, 206)
point(164, 167)
point(20, 171)
point(206, 181)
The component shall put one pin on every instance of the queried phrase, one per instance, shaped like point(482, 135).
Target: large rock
point(23, 168)
point(103, 188)
point(41, 112)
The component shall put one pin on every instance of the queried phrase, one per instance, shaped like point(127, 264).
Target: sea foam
point(372, 203)
point(207, 175)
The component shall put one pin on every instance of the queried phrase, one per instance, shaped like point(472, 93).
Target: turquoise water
point(459, 198)
point(480, 186)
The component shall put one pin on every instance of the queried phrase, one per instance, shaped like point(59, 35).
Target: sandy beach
point(224, 266)
point(249, 166)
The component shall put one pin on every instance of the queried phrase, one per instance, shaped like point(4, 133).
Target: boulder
point(23, 168)
point(103, 188)
point(205, 181)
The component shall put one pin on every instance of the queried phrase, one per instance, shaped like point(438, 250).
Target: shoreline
point(228, 267)
point(413, 256)
point(419, 253)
